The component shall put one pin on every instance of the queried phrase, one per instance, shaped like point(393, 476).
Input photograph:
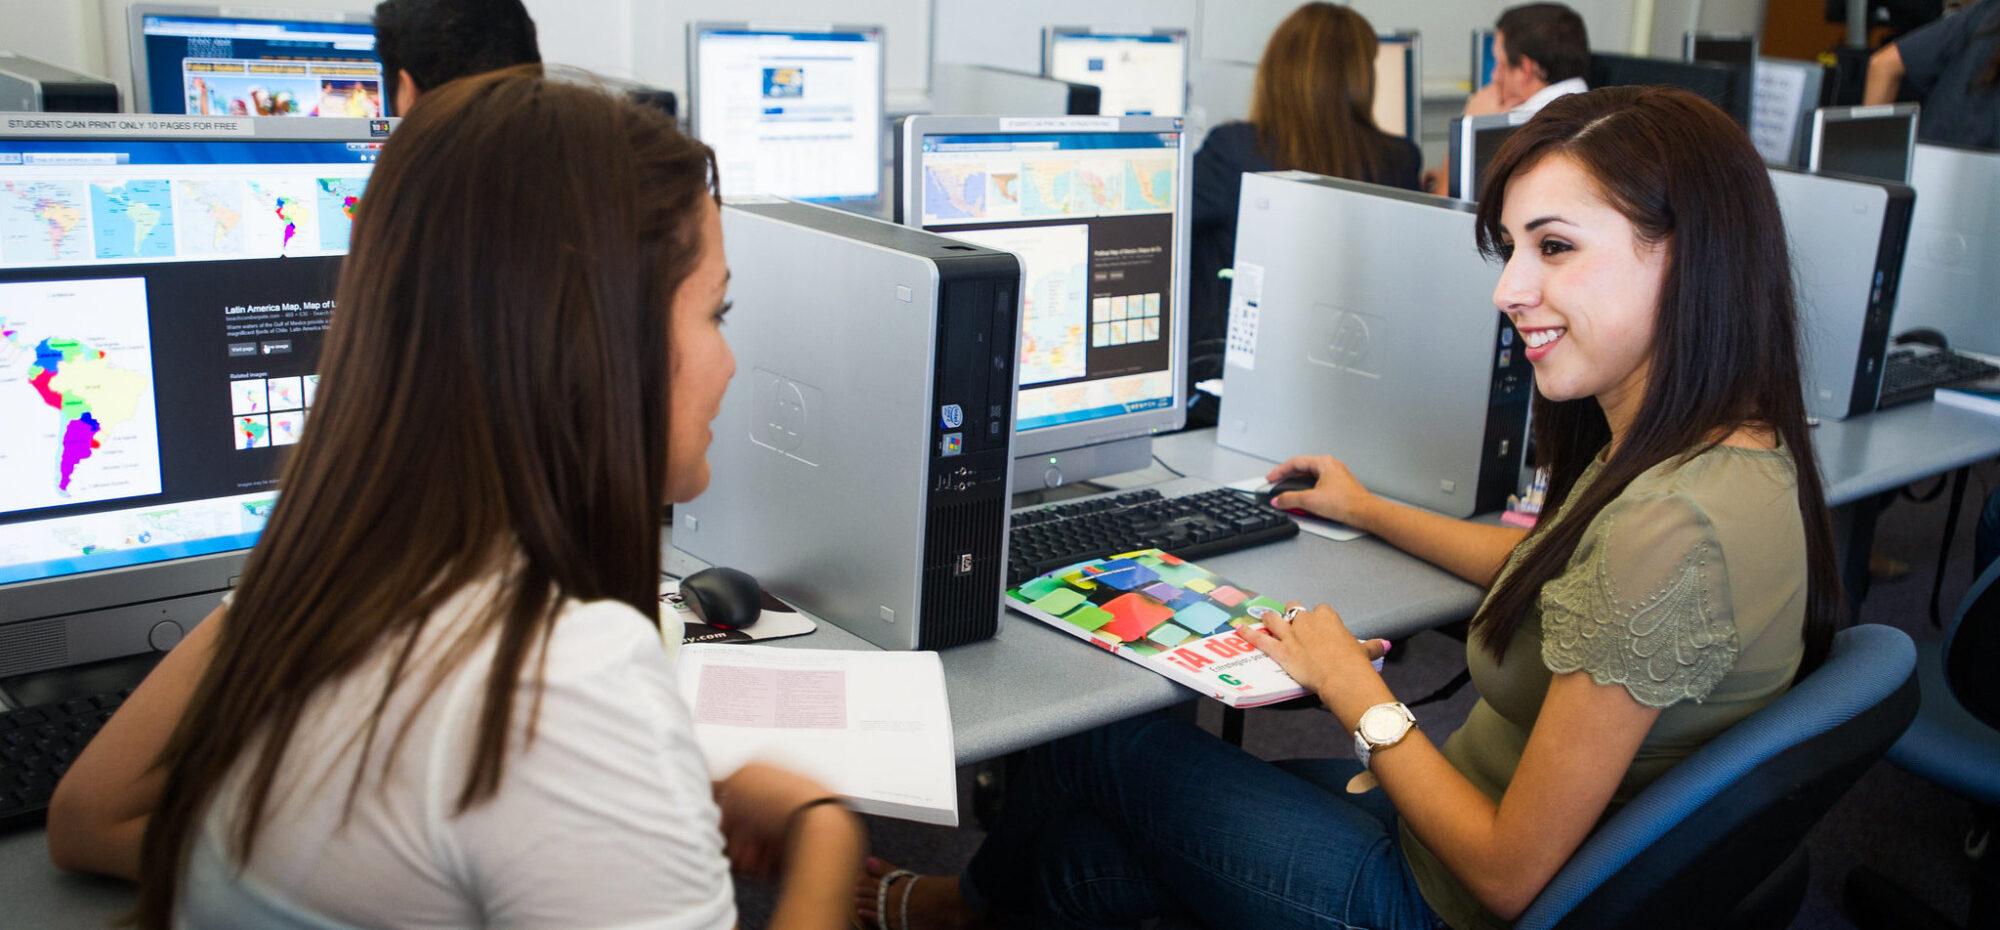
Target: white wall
point(1236, 29)
point(64, 32)
point(645, 40)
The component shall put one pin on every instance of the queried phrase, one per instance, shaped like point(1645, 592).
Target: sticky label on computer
point(1246, 292)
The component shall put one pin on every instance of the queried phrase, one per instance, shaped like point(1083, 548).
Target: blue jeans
point(1154, 817)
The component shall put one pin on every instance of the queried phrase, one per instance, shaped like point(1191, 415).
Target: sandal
point(882, 897)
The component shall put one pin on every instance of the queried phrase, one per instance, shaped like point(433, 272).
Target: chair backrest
point(1701, 838)
point(1971, 645)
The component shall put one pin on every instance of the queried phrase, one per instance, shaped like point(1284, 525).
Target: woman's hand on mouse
point(1335, 495)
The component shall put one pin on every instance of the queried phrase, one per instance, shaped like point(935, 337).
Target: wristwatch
point(1380, 727)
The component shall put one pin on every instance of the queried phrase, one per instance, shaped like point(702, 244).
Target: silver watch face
point(1383, 724)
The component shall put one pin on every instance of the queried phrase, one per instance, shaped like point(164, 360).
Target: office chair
point(1955, 742)
point(1718, 841)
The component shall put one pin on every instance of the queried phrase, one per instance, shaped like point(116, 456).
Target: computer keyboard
point(1911, 373)
point(1190, 526)
point(37, 744)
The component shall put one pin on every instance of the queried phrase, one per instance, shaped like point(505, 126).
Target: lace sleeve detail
point(1644, 604)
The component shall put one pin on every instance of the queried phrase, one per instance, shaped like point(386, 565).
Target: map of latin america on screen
point(77, 406)
point(1055, 295)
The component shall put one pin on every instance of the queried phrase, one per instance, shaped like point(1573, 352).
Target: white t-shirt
point(1542, 98)
point(605, 819)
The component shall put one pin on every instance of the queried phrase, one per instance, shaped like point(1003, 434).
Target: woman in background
point(1312, 109)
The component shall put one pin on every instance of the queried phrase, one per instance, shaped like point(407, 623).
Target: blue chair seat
point(1696, 848)
point(1946, 744)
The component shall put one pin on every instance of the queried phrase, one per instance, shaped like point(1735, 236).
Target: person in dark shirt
point(1312, 110)
point(1953, 65)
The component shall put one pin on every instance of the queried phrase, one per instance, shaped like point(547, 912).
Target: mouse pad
point(777, 620)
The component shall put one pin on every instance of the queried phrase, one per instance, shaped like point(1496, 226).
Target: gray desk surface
point(1031, 683)
point(1891, 448)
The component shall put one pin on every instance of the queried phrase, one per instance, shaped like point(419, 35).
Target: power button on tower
point(165, 635)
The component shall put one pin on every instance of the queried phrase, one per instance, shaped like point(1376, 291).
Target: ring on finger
point(1292, 613)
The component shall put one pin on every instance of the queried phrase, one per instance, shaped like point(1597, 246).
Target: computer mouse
point(1922, 335)
point(1294, 483)
point(723, 598)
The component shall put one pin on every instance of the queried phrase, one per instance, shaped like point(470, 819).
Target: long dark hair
point(1725, 345)
point(1313, 102)
point(493, 400)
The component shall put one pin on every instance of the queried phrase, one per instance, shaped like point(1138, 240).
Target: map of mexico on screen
point(1091, 217)
point(162, 307)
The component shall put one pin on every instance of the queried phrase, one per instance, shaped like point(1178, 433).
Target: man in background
point(426, 43)
point(1541, 51)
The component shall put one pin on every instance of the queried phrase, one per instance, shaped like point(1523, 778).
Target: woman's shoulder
point(1234, 142)
point(591, 637)
point(1717, 473)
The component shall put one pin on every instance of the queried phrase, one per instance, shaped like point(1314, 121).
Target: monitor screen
point(162, 305)
point(1723, 85)
point(1482, 58)
point(789, 113)
point(1474, 142)
point(1136, 74)
point(225, 65)
point(1870, 142)
point(1095, 215)
point(1396, 92)
point(1735, 51)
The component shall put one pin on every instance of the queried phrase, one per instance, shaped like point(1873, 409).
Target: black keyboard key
point(1208, 523)
point(37, 746)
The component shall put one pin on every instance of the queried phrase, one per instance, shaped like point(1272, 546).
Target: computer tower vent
point(30, 647)
point(962, 565)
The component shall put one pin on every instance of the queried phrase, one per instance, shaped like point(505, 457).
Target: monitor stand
point(1068, 466)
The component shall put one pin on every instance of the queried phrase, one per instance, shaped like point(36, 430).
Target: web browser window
point(1091, 217)
point(1136, 75)
point(231, 66)
point(162, 307)
point(792, 114)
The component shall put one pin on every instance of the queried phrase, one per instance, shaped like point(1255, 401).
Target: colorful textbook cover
point(1173, 617)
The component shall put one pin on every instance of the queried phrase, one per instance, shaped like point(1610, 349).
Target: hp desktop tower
point(861, 461)
point(1847, 237)
point(1362, 325)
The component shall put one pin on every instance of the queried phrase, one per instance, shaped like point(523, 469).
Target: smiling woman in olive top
point(1681, 577)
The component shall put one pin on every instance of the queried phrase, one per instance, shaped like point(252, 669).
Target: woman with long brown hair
point(1681, 577)
point(439, 697)
point(1312, 108)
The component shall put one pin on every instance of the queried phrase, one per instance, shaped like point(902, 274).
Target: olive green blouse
point(1688, 590)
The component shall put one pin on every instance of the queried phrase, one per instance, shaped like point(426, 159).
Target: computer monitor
point(1739, 51)
point(1782, 108)
point(1474, 140)
point(1719, 83)
point(1137, 72)
point(1097, 211)
point(164, 291)
point(1483, 59)
point(1399, 66)
point(1735, 52)
point(982, 90)
point(1871, 142)
point(214, 61)
point(1950, 277)
point(790, 111)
